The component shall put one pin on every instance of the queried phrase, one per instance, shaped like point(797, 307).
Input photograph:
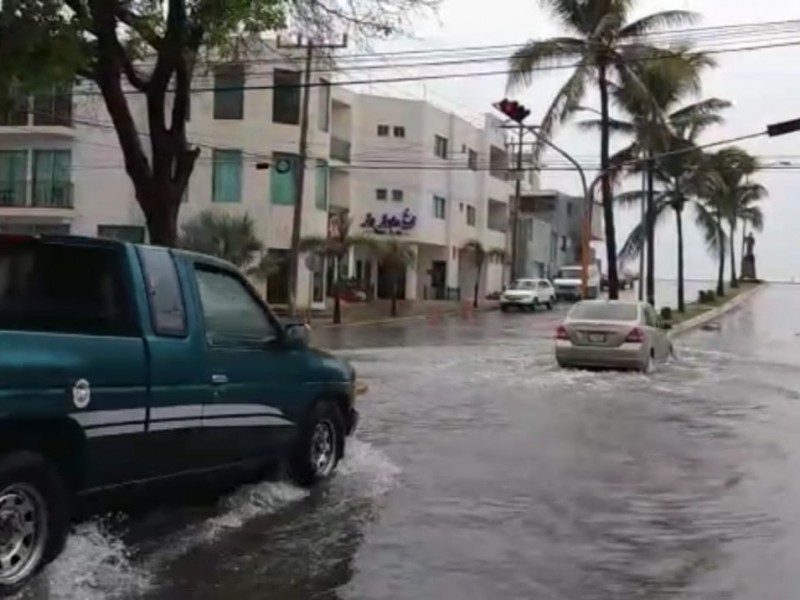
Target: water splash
point(96, 565)
point(369, 466)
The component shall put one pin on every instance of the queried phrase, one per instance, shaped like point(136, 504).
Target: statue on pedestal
point(749, 260)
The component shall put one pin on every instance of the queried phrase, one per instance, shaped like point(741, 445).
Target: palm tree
point(230, 237)
point(479, 256)
point(336, 247)
point(395, 256)
point(604, 46)
point(744, 208)
point(664, 137)
point(723, 188)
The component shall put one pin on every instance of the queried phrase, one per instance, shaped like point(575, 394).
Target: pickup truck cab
point(567, 283)
point(123, 365)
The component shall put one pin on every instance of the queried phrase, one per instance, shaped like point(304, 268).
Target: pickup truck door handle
point(219, 379)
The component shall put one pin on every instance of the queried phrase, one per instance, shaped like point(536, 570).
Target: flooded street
point(481, 470)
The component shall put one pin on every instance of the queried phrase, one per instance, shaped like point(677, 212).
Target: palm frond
point(230, 237)
point(714, 234)
point(536, 54)
point(566, 102)
point(754, 216)
point(633, 245)
point(614, 125)
point(657, 22)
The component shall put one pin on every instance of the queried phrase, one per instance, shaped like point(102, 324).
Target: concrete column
point(412, 272)
point(452, 268)
point(351, 262)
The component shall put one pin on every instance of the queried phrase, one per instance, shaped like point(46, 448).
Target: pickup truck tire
point(319, 446)
point(34, 518)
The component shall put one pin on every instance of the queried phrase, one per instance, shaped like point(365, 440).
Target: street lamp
point(587, 215)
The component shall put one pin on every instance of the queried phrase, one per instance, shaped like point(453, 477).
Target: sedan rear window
point(604, 311)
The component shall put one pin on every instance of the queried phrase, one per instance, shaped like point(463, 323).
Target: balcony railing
point(340, 149)
point(36, 194)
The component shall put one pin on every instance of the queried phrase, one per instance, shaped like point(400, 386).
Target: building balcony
point(340, 149)
point(36, 195)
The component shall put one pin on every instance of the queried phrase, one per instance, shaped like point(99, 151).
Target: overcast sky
point(763, 85)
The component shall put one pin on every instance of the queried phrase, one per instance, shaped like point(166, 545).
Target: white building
point(61, 171)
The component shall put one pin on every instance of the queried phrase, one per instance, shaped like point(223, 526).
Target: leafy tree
point(604, 45)
point(395, 256)
point(336, 247)
point(479, 256)
point(150, 48)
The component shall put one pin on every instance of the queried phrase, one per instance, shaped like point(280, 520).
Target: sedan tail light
point(636, 336)
point(561, 333)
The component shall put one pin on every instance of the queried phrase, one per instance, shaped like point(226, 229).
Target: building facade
point(395, 167)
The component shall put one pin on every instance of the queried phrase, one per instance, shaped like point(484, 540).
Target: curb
point(389, 320)
point(714, 313)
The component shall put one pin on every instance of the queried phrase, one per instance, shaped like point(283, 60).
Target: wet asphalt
point(482, 471)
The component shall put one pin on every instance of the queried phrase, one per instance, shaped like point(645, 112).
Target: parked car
point(568, 283)
point(612, 334)
point(123, 366)
point(528, 294)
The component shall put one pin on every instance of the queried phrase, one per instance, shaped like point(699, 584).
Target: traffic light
point(513, 110)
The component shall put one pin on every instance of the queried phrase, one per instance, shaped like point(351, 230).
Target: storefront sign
point(390, 224)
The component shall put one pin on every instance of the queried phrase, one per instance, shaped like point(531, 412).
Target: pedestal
point(748, 267)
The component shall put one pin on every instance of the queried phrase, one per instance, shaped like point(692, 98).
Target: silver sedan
point(612, 334)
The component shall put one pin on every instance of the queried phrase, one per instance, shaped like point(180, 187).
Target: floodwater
point(482, 471)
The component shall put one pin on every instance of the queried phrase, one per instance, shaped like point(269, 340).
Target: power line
point(654, 36)
point(440, 76)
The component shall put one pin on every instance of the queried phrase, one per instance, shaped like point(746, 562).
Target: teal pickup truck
point(124, 365)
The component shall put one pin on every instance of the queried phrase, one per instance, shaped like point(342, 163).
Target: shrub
point(666, 313)
point(706, 296)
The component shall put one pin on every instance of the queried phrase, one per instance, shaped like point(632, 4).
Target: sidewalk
point(379, 311)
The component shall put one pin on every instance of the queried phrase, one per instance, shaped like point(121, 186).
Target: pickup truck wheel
point(34, 519)
point(320, 446)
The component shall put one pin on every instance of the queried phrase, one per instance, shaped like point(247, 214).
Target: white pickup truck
point(567, 283)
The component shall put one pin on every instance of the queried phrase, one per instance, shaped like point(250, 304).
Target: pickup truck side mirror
point(298, 334)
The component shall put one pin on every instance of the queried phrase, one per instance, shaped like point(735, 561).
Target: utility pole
point(517, 201)
point(643, 212)
point(297, 217)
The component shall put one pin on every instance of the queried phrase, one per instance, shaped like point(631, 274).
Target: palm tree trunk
point(650, 233)
point(681, 290)
point(721, 247)
point(734, 280)
point(337, 302)
point(394, 296)
point(477, 287)
point(608, 206)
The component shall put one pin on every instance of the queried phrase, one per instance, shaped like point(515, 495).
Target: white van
point(567, 282)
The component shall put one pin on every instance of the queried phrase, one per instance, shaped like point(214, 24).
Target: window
point(60, 288)
point(226, 186)
point(283, 179)
point(569, 209)
point(34, 228)
point(232, 314)
point(605, 311)
point(563, 243)
point(439, 207)
point(13, 176)
point(53, 107)
point(460, 207)
point(229, 92)
point(324, 106)
point(383, 130)
point(122, 233)
point(471, 215)
point(167, 313)
point(440, 146)
point(381, 194)
point(286, 97)
point(322, 184)
point(399, 132)
point(397, 195)
point(52, 170)
point(472, 160)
